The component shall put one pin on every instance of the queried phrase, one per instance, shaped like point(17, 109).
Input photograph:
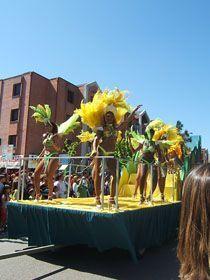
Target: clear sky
point(158, 50)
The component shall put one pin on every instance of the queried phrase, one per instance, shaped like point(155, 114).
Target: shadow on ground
point(156, 264)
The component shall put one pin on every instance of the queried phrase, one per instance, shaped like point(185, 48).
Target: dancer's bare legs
point(50, 172)
point(37, 173)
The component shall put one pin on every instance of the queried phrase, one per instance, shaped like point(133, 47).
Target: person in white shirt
point(60, 186)
point(75, 186)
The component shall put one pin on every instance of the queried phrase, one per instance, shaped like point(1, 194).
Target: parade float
point(143, 207)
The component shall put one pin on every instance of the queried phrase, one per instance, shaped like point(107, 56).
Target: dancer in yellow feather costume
point(161, 144)
point(105, 116)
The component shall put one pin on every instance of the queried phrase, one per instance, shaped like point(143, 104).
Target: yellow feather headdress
point(92, 113)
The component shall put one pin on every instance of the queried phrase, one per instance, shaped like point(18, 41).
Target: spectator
point(91, 185)
point(14, 191)
point(75, 186)
point(82, 190)
point(4, 201)
point(71, 181)
point(61, 186)
point(85, 182)
point(194, 231)
point(106, 187)
point(2, 182)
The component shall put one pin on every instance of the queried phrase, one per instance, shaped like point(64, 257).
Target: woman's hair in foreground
point(194, 228)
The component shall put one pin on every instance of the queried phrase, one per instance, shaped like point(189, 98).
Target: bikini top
point(48, 141)
point(108, 131)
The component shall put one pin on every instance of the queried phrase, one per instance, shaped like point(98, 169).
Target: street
point(81, 262)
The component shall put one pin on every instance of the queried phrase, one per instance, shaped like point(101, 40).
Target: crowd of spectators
point(79, 184)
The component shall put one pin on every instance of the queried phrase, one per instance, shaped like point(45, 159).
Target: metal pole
point(23, 179)
point(173, 193)
point(69, 184)
point(117, 184)
point(151, 184)
point(79, 157)
point(102, 184)
point(19, 180)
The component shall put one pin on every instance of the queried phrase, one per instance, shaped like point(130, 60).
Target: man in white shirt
point(61, 186)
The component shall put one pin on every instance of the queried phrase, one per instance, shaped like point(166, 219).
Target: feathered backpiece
point(42, 113)
point(136, 139)
point(168, 137)
point(155, 125)
point(69, 125)
point(92, 113)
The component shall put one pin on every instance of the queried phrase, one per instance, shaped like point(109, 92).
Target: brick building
point(18, 93)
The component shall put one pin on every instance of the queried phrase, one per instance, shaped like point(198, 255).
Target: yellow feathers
point(86, 136)
point(92, 113)
point(168, 136)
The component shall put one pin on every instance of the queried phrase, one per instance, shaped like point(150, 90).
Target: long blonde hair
point(194, 228)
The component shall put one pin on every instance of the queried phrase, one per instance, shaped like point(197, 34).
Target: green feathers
point(41, 113)
point(69, 125)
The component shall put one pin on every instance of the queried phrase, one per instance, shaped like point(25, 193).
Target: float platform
point(77, 221)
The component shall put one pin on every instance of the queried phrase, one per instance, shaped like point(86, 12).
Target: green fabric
point(129, 230)
point(47, 159)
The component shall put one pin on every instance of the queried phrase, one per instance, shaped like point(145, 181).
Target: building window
point(16, 90)
point(12, 140)
point(70, 96)
point(14, 115)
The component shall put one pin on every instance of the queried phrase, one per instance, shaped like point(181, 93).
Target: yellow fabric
point(127, 189)
point(123, 179)
point(86, 136)
point(132, 179)
point(88, 204)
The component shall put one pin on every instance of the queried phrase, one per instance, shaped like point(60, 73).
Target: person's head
point(109, 118)
point(2, 170)
point(59, 177)
point(2, 178)
point(75, 179)
point(85, 174)
point(7, 189)
point(194, 228)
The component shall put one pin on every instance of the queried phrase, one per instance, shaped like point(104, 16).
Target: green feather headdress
point(42, 113)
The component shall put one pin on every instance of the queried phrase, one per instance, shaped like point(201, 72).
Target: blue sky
point(158, 50)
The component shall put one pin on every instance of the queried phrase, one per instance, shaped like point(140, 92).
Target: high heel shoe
point(37, 198)
point(111, 203)
point(142, 200)
point(98, 202)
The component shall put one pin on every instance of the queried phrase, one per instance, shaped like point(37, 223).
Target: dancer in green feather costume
point(53, 143)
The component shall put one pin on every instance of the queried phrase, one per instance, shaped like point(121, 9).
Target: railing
point(71, 164)
point(22, 168)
